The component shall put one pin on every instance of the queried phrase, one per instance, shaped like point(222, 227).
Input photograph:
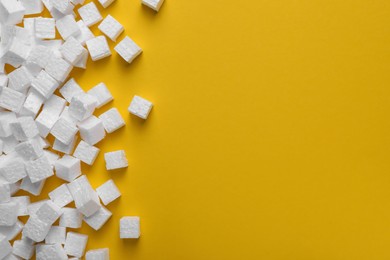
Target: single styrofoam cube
point(90, 14)
point(58, 68)
point(24, 128)
point(13, 170)
point(39, 55)
point(32, 104)
point(11, 12)
point(11, 99)
point(20, 79)
point(98, 48)
point(71, 218)
point(86, 153)
point(68, 168)
point(45, 28)
point(112, 120)
point(70, 89)
point(128, 49)
point(67, 27)
point(23, 249)
point(82, 106)
point(63, 6)
point(98, 219)
point(115, 160)
point(32, 6)
point(85, 198)
point(111, 27)
point(154, 4)
point(5, 192)
point(33, 207)
point(72, 50)
point(5, 119)
point(9, 144)
point(39, 169)
point(16, 54)
point(44, 84)
point(98, 254)
point(36, 229)
point(56, 235)
point(64, 148)
point(48, 212)
point(47, 252)
point(92, 130)
point(101, 93)
point(140, 107)
point(64, 131)
point(75, 244)
point(61, 196)
point(5, 247)
point(49, 115)
point(108, 192)
point(8, 213)
point(85, 33)
point(82, 63)
point(129, 227)
point(51, 157)
point(10, 232)
point(29, 150)
point(23, 202)
point(33, 188)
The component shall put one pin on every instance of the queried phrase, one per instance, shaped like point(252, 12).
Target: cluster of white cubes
point(39, 99)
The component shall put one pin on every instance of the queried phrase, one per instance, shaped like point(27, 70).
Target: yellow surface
point(270, 135)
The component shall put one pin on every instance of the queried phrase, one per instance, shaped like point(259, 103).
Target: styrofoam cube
point(111, 27)
point(65, 148)
point(5, 247)
point(23, 202)
point(140, 107)
point(98, 219)
point(63, 6)
point(24, 128)
point(75, 244)
point(129, 227)
point(32, 208)
point(11, 99)
point(56, 235)
point(128, 49)
point(71, 218)
point(85, 33)
point(8, 213)
point(86, 153)
point(45, 28)
point(98, 48)
point(44, 84)
point(154, 4)
point(39, 55)
point(29, 150)
point(16, 54)
point(90, 14)
point(23, 249)
point(32, 6)
point(98, 254)
point(64, 131)
point(72, 50)
point(68, 168)
point(58, 68)
point(5, 119)
point(108, 192)
point(39, 169)
point(85, 198)
point(32, 104)
point(13, 170)
point(115, 160)
point(67, 27)
point(70, 89)
point(11, 12)
point(82, 106)
point(112, 120)
point(20, 79)
point(33, 188)
point(10, 232)
point(92, 130)
point(36, 229)
point(48, 212)
point(61, 195)
point(101, 93)
point(48, 252)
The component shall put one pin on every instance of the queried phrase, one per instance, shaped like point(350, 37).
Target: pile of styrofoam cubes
point(31, 109)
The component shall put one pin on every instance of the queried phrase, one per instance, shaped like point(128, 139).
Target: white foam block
point(13, 170)
point(101, 93)
point(45, 28)
point(32, 104)
point(92, 130)
point(5, 247)
point(8, 213)
point(128, 49)
point(98, 219)
point(11, 12)
point(70, 218)
point(112, 120)
point(48, 212)
point(61, 196)
point(129, 227)
point(140, 107)
point(10, 232)
point(98, 48)
point(58, 68)
point(98, 254)
point(108, 192)
point(70, 89)
point(68, 168)
point(82, 106)
point(33, 188)
point(29, 150)
point(111, 27)
point(115, 160)
point(85, 198)
point(23, 249)
point(90, 14)
point(86, 153)
point(45, 84)
point(85, 33)
point(67, 27)
point(20, 79)
point(154, 4)
point(64, 131)
point(39, 169)
point(24, 128)
point(72, 50)
point(56, 235)
point(75, 244)
point(11, 99)
point(23, 202)
point(49, 252)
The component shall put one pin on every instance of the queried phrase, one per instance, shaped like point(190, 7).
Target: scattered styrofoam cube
point(101, 93)
point(61, 195)
point(63, 6)
point(17, 53)
point(154, 4)
point(64, 131)
point(115, 160)
point(58, 68)
point(140, 107)
point(39, 56)
point(32, 6)
point(5, 119)
point(8, 213)
point(72, 50)
point(75, 244)
point(29, 150)
point(13, 170)
point(85, 33)
point(98, 48)
point(128, 49)
point(45, 28)
point(65, 148)
point(67, 27)
point(82, 106)
point(5, 192)
point(39, 169)
point(70, 218)
point(11, 12)
point(85, 198)
point(91, 130)
point(36, 229)
point(48, 212)
point(111, 27)
point(98, 219)
point(23, 249)
point(11, 99)
point(24, 128)
point(129, 227)
point(23, 202)
point(5, 247)
point(56, 235)
point(68, 168)
point(54, 251)
point(70, 89)
point(44, 84)
point(32, 104)
point(33, 188)
point(86, 153)
point(98, 254)
point(112, 120)
point(108, 192)
point(90, 14)
point(20, 79)
point(10, 232)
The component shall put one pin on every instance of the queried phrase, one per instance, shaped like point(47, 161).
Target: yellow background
point(270, 135)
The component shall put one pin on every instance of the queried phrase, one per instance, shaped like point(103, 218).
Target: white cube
point(45, 28)
point(13, 170)
point(75, 244)
point(56, 235)
point(86, 153)
point(70, 89)
point(71, 218)
point(85, 33)
point(23, 202)
point(44, 84)
point(154, 4)
point(112, 120)
point(68, 168)
point(11, 12)
point(54, 251)
point(8, 213)
point(98, 48)
point(67, 27)
point(128, 49)
point(101, 93)
point(140, 107)
point(115, 160)
point(35, 229)
point(29, 150)
point(48, 212)
point(85, 198)
point(111, 27)
point(129, 227)
point(24, 128)
point(33, 188)
point(32, 6)
point(20, 79)
point(72, 50)
point(92, 130)
point(32, 104)
point(65, 148)
point(63, 6)
point(90, 14)
point(82, 106)
point(58, 68)
point(5, 247)
point(64, 130)
point(10, 232)
point(23, 249)
point(98, 254)
point(11, 99)
point(39, 169)
point(108, 192)
point(98, 219)
point(61, 196)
